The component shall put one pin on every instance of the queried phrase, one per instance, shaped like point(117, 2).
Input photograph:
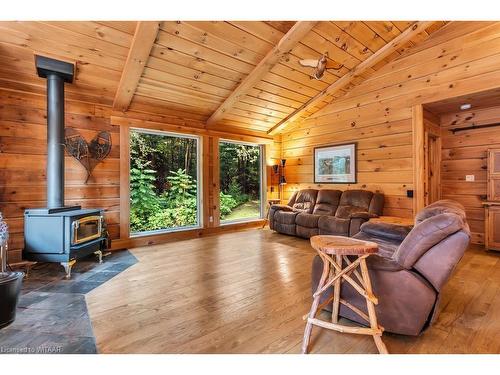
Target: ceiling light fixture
point(465, 106)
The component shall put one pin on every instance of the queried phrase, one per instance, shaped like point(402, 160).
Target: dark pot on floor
point(10, 287)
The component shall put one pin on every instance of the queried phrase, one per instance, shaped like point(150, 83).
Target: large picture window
point(240, 181)
point(164, 182)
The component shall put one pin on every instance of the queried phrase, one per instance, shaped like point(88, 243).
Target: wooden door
point(493, 228)
point(494, 175)
point(432, 161)
point(433, 168)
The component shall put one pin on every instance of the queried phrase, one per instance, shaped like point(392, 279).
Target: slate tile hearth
point(52, 312)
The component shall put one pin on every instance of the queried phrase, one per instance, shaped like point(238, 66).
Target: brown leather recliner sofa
point(310, 212)
point(410, 268)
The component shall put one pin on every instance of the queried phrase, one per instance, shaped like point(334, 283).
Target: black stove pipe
point(57, 73)
point(55, 141)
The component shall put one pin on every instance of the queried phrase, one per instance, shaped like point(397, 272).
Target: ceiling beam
point(355, 72)
point(140, 48)
point(286, 43)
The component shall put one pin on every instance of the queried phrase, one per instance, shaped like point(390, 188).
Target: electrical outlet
point(211, 219)
point(470, 177)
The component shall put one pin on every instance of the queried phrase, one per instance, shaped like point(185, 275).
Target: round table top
point(340, 245)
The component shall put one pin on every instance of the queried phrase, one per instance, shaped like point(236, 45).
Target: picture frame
point(335, 164)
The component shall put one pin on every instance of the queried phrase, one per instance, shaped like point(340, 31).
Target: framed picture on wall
point(335, 164)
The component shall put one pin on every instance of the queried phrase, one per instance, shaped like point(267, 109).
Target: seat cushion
point(327, 202)
point(307, 220)
point(333, 225)
point(305, 232)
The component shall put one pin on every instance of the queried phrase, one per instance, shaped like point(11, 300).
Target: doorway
point(426, 157)
point(241, 177)
point(432, 158)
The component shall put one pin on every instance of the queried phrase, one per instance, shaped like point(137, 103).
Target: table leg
point(372, 315)
point(266, 220)
point(314, 307)
point(336, 291)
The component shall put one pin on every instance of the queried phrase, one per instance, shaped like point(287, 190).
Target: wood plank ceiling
point(194, 66)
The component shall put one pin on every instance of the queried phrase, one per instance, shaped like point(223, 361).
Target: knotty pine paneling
point(377, 115)
point(465, 153)
point(23, 150)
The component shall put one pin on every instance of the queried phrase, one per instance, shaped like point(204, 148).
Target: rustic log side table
point(334, 251)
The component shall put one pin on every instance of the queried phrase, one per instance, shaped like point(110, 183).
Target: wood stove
point(63, 235)
point(58, 233)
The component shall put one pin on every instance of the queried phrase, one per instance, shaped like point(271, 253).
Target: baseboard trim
point(156, 239)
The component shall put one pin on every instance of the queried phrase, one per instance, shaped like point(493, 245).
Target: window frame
point(199, 182)
point(263, 179)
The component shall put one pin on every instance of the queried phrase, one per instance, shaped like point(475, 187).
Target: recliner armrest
point(362, 215)
point(275, 208)
point(356, 219)
point(281, 207)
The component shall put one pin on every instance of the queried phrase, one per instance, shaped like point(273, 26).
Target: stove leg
point(67, 267)
point(99, 255)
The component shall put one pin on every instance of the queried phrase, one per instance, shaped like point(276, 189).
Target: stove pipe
point(57, 73)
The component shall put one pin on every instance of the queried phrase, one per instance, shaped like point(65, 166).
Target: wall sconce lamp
point(279, 171)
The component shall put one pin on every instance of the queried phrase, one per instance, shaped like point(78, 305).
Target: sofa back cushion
point(353, 201)
point(425, 235)
point(327, 202)
point(305, 200)
point(291, 201)
point(377, 204)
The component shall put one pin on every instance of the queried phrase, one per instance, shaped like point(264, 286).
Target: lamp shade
point(282, 180)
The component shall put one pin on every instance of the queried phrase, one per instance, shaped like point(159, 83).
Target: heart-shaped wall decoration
point(89, 155)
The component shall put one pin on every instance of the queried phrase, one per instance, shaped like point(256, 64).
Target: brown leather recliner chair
point(410, 268)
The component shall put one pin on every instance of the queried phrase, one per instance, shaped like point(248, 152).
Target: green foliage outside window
point(239, 181)
point(163, 186)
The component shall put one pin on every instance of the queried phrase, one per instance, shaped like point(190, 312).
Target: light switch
point(469, 177)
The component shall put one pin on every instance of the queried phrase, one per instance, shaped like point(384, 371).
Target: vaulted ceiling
point(239, 75)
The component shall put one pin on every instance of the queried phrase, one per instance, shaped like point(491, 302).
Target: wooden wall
point(23, 148)
point(465, 153)
point(458, 59)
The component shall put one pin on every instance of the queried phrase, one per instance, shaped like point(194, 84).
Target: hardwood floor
point(245, 292)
